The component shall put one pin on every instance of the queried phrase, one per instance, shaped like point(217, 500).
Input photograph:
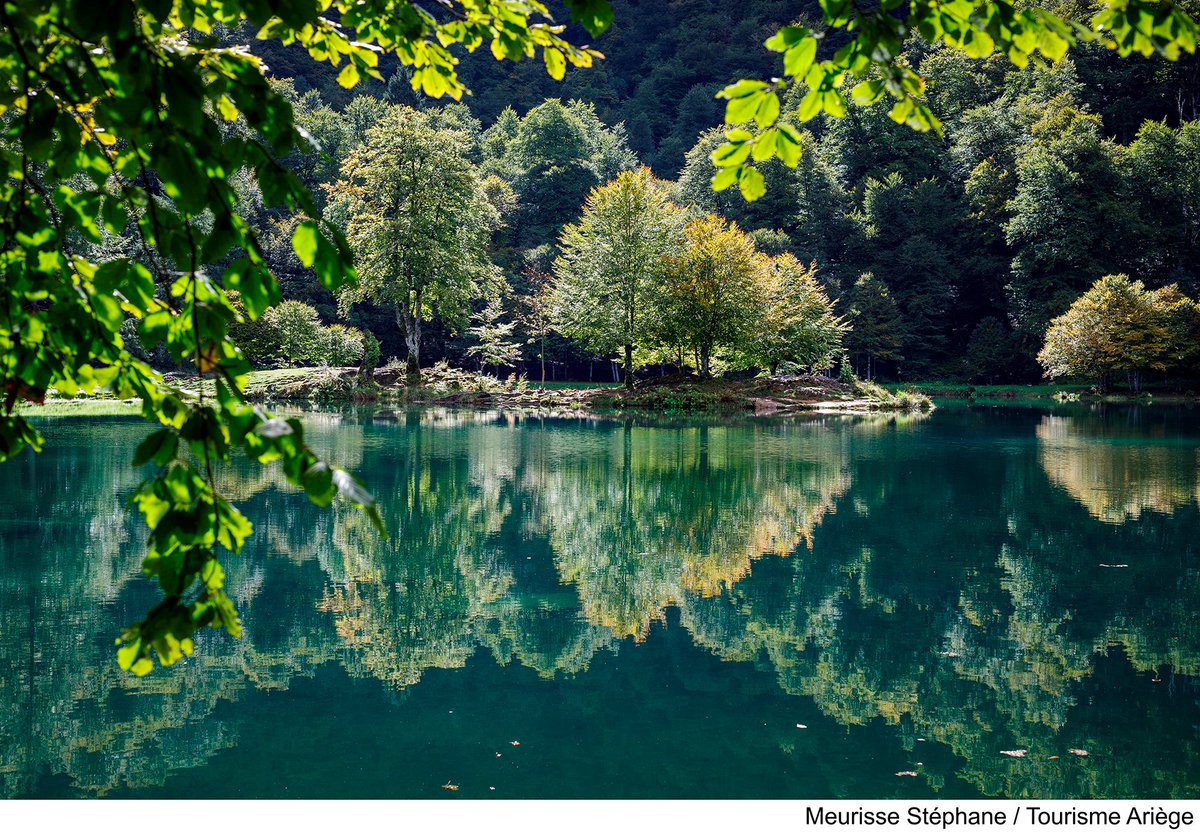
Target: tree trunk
point(774, 368)
point(629, 367)
point(409, 320)
point(704, 364)
point(543, 359)
point(1135, 380)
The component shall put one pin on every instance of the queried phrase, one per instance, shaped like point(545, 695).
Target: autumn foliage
point(1120, 327)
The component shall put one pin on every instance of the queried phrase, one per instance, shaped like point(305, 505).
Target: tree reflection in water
point(887, 571)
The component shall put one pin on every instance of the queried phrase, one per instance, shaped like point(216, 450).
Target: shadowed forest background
point(948, 256)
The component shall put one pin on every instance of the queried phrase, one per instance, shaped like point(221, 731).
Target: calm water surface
point(829, 607)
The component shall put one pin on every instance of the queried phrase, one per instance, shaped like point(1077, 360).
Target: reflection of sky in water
point(649, 610)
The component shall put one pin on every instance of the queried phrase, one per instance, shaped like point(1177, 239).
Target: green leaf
point(318, 485)
point(158, 447)
point(304, 242)
point(742, 109)
point(258, 288)
point(786, 38)
point(799, 58)
point(348, 77)
point(751, 184)
point(594, 15)
point(810, 106)
point(743, 88)
point(787, 146)
point(556, 63)
point(867, 92)
point(764, 145)
point(724, 178)
point(731, 154)
point(768, 110)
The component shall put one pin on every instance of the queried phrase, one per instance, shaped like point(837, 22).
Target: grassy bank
point(1041, 393)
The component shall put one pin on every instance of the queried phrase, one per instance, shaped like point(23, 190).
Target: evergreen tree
point(876, 326)
point(494, 345)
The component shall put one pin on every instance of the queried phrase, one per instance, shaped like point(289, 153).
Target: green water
point(650, 611)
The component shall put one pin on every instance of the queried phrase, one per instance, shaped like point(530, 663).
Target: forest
point(928, 257)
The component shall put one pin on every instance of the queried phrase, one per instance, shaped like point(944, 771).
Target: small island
point(443, 385)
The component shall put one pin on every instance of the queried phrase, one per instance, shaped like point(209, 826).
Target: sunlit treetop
point(872, 65)
point(122, 118)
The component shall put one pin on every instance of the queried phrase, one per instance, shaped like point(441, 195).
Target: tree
point(302, 338)
point(1117, 326)
point(1068, 222)
point(612, 260)
point(1181, 318)
point(494, 345)
point(876, 326)
point(419, 223)
point(537, 305)
point(989, 350)
point(552, 157)
point(794, 320)
point(117, 118)
point(708, 295)
point(908, 241)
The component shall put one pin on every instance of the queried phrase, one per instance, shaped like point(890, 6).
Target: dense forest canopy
point(948, 253)
point(169, 194)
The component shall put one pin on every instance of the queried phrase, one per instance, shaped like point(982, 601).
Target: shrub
point(302, 339)
point(346, 346)
point(259, 339)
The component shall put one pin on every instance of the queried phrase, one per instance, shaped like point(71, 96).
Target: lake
point(985, 602)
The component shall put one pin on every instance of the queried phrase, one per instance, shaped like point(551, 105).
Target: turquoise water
point(828, 607)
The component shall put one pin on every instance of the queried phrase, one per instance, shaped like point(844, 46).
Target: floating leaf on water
point(1118, 565)
point(497, 753)
point(906, 774)
point(450, 787)
point(802, 727)
point(1054, 757)
point(514, 742)
point(1079, 752)
point(920, 739)
point(1019, 753)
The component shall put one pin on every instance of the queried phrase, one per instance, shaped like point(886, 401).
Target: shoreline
point(675, 395)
